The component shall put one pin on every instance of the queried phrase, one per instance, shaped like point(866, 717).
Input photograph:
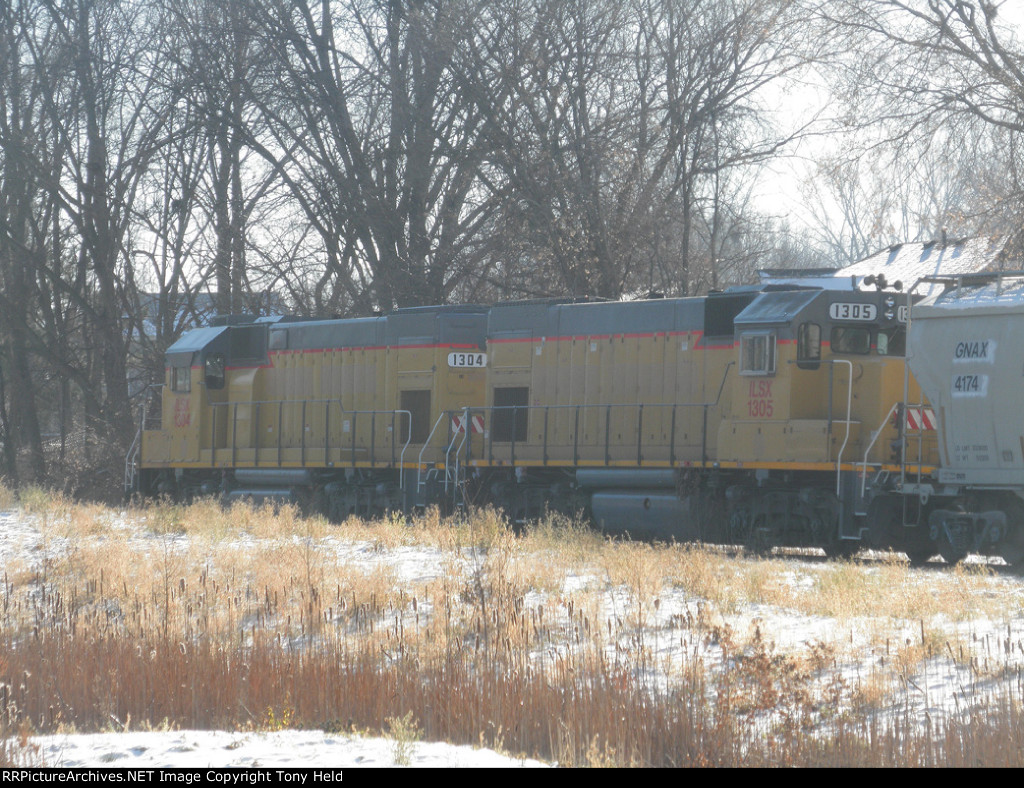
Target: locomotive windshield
point(214, 371)
point(851, 339)
point(857, 340)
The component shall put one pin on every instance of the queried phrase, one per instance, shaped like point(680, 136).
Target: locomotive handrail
point(874, 438)
point(704, 429)
point(846, 438)
point(401, 456)
point(467, 429)
point(426, 445)
point(305, 405)
point(849, 409)
point(131, 458)
point(604, 408)
point(452, 449)
point(442, 418)
point(430, 437)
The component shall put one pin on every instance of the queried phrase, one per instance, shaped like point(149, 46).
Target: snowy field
point(977, 658)
point(278, 749)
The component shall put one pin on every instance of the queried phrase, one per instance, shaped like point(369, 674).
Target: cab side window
point(757, 354)
point(892, 342)
point(214, 371)
point(808, 346)
point(181, 380)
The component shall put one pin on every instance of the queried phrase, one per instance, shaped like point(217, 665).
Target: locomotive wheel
point(1013, 547)
point(842, 548)
point(950, 553)
point(919, 556)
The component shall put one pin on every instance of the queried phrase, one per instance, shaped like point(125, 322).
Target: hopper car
point(762, 416)
point(969, 357)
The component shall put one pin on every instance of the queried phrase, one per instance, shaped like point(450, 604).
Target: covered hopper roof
point(976, 295)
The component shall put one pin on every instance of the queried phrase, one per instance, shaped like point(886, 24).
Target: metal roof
point(197, 339)
point(777, 307)
point(977, 296)
point(905, 263)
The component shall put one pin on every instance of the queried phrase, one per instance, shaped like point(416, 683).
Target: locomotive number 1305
point(849, 311)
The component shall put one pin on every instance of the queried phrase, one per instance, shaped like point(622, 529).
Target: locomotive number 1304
point(466, 359)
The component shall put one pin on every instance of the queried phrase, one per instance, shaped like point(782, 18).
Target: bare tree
point(379, 145)
point(576, 145)
point(221, 63)
point(612, 123)
point(170, 234)
point(874, 194)
point(920, 73)
point(99, 116)
point(22, 141)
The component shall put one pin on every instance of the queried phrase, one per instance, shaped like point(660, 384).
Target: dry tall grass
point(553, 643)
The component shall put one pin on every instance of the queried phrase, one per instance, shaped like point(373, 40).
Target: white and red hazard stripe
point(921, 419)
point(476, 424)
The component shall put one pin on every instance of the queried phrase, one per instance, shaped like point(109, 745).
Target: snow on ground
point(938, 685)
point(284, 749)
point(21, 539)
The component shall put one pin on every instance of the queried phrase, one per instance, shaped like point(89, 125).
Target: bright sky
point(778, 191)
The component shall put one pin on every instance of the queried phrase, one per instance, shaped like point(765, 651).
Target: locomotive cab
point(818, 373)
point(817, 409)
point(202, 368)
point(781, 409)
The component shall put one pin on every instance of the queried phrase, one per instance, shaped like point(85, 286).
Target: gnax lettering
point(975, 350)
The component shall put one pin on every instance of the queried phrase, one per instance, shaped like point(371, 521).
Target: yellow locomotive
point(330, 413)
point(764, 416)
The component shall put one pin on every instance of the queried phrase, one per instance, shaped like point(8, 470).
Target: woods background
point(163, 161)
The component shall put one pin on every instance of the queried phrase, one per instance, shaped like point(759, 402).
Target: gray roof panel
point(778, 307)
point(181, 352)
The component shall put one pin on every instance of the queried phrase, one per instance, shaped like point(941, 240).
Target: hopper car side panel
point(967, 353)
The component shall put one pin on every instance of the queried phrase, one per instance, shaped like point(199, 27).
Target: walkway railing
point(321, 430)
